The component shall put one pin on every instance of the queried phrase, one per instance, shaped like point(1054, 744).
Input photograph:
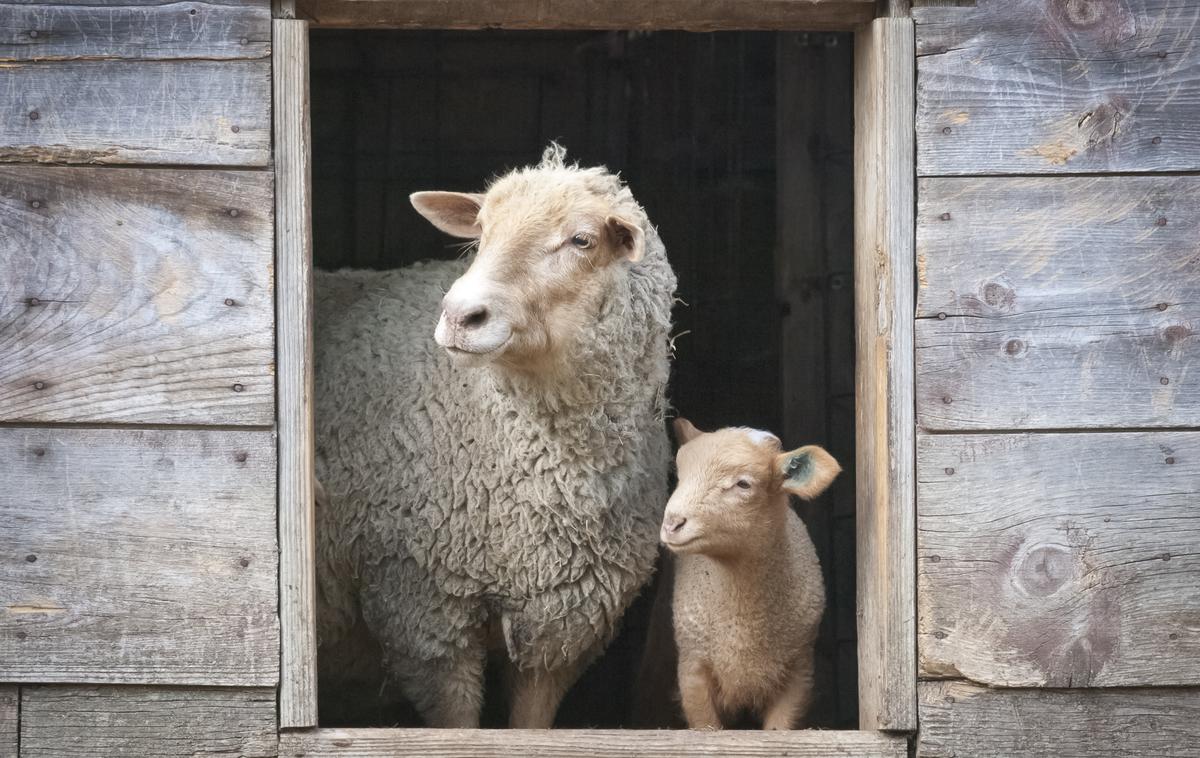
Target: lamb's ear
point(455, 213)
point(629, 238)
point(684, 431)
point(807, 471)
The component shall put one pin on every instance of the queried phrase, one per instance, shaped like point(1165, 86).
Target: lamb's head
point(552, 238)
point(733, 488)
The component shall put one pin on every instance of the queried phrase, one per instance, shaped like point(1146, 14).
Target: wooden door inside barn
point(739, 145)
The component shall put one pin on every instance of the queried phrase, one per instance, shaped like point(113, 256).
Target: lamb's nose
point(674, 524)
point(470, 316)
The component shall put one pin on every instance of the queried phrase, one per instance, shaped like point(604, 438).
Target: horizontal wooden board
point(1039, 86)
point(1058, 302)
point(99, 722)
point(691, 15)
point(961, 720)
point(136, 296)
point(1060, 560)
point(9, 710)
point(113, 112)
point(138, 557)
point(143, 29)
point(586, 743)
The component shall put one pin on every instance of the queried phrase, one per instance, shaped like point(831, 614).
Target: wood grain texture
point(99, 722)
point(293, 209)
point(130, 112)
point(1039, 86)
point(9, 720)
point(135, 296)
point(690, 15)
point(1058, 302)
point(142, 29)
point(883, 268)
point(138, 557)
point(587, 743)
point(1060, 560)
point(961, 720)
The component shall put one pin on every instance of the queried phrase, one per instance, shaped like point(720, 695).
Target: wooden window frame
point(884, 272)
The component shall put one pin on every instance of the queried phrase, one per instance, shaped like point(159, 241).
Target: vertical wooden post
point(884, 272)
point(293, 329)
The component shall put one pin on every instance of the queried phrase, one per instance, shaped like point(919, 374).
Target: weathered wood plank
point(588, 743)
point(98, 722)
point(135, 296)
point(138, 557)
point(164, 112)
point(293, 209)
point(1060, 560)
point(690, 15)
point(144, 29)
point(883, 268)
point(1058, 302)
point(1034, 86)
point(960, 720)
point(9, 724)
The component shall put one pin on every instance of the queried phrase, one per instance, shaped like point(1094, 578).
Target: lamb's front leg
point(696, 687)
point(789, 708)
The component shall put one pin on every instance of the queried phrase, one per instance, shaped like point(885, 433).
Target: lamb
point(748, 589)
point(491, 441)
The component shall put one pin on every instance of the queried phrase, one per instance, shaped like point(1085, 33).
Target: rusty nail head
point(31, 558)
point(945, 217)
point(238, 388)
point(1170, 460)
point(39, 385)
point(1164, 381)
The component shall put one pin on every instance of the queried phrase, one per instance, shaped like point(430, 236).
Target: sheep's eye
point(582, 241)
point(743, 484)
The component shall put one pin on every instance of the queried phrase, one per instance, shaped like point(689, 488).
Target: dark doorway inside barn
point(739, 145)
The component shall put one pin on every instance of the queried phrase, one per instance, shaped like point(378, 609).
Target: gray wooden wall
point(1058, 378)
point(138, 548)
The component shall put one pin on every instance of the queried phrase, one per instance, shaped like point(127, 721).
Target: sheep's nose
point(674, 524)
point(465, 316)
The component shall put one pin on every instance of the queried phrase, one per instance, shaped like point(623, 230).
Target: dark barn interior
point(739, 146)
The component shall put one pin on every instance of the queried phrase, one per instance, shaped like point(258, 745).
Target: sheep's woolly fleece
point(458, 496)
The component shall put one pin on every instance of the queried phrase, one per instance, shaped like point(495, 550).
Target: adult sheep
point(495, 474)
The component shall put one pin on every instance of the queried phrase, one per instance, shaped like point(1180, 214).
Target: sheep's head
point(733, 487)
point(551, 237)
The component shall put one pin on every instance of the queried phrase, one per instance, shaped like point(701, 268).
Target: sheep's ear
point(455, 213)
point(684, 431)
point(629, 238)
point(807, 471)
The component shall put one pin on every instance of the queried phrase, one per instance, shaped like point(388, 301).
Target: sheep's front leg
point(788, 709)
point(696, 685)
point(536, 694)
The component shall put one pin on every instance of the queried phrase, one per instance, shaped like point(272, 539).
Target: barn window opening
point(739, 145)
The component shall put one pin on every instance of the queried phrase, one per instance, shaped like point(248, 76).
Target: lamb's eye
point(582, 241)
point(743, 483)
